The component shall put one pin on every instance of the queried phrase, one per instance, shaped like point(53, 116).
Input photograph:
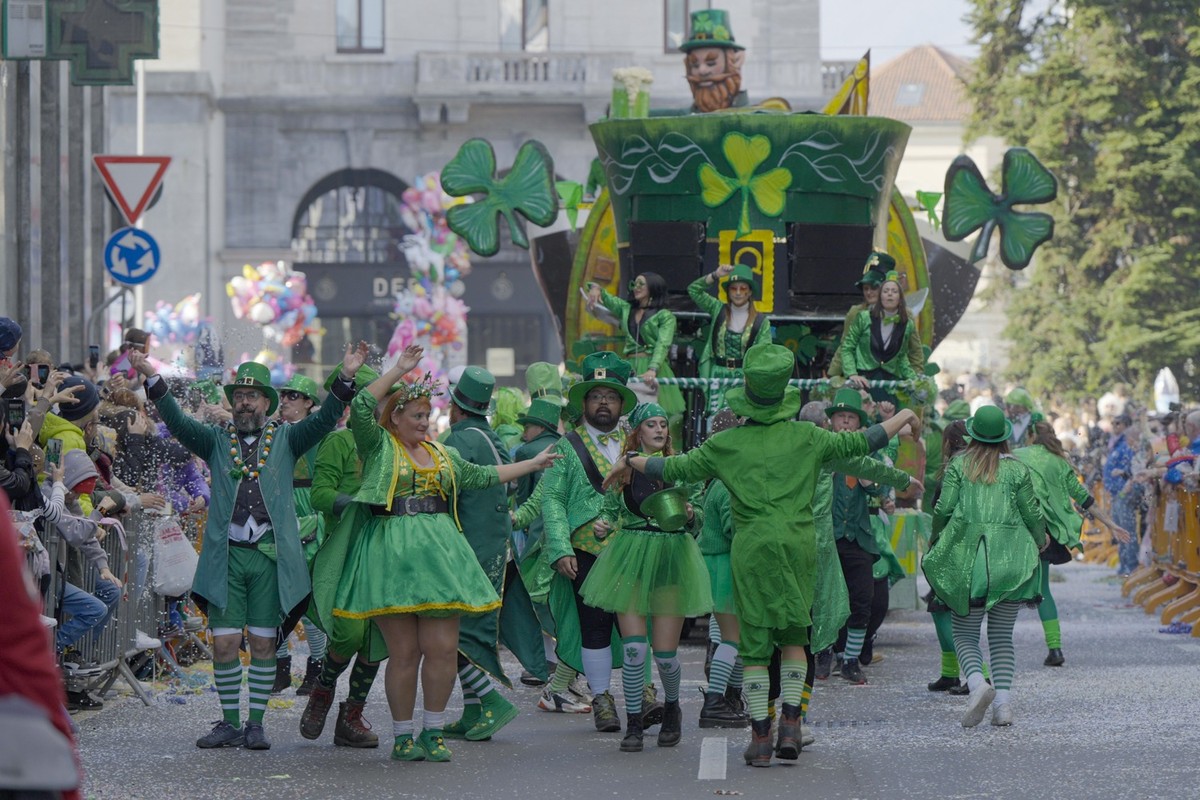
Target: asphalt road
point(1119, 720)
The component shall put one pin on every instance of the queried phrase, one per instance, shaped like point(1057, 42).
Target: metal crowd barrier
point(1171, 581)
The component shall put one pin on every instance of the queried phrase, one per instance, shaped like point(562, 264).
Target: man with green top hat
point(878, 265)
point(713, 61)
point(734, 327)
point(485, 520)
point(770, 466)
point(337, 477)
point(252, 575)
point(298, 398)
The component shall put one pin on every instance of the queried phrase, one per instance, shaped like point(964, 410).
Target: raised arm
point(195, 436)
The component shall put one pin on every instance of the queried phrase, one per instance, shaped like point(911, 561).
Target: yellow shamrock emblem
point(745, 154)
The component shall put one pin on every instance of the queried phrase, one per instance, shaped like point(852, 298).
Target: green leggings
point(1047, 609)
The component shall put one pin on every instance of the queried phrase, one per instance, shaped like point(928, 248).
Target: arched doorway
point(346, 238)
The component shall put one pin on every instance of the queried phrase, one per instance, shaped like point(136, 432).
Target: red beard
point(719, 94)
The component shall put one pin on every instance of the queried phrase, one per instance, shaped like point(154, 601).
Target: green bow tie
point(605, 438)
point(892, 319)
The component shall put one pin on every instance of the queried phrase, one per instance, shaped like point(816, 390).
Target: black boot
point(758, 752)
point(824, 664)
point(311, 673)
point(1055, 658)
point(789, 745)
point(716, 713)
point(283, 674)
point(736, 700)
point(943, 684)
point(672, 724)
point(708, 657)
point(632, 743)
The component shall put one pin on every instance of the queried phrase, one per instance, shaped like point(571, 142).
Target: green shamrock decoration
point(528, 189)
point(971, 205)
point(929, 201)
point(571, 195)
point(745, 154)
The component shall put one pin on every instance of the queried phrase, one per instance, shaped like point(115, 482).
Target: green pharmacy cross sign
point(101, 38)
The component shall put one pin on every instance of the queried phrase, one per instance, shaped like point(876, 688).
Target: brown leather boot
point(312, 721)
point(758, 752)
point(352, 730)
point(788, 746)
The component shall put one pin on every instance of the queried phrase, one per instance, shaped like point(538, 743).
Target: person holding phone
point(74, 423)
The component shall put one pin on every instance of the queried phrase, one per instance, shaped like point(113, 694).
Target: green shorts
point(253, 592)
point(758, 644)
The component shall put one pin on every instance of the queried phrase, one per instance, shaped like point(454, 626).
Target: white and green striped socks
point(228, 678)
point(737, 677)
point(758, 687)
point(259, 680)
point(854, 642)
point(670, 672)
point(475, 682)
point(723, 662)
point(563, 675)
point(791, 681)
point(633, 673)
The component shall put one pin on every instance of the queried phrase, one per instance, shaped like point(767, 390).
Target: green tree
point(1106, 93)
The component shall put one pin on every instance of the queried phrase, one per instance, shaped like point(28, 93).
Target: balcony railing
point(499, 75)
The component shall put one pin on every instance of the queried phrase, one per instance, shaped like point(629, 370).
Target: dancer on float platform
point(770, 466)
point(878, 265)
point(652, 568)
point(1056, 485)
point(987, 533)
point(878, 343)
point(734, 327)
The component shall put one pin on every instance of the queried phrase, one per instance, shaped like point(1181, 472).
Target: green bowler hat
point(848, 400)
point(710, 28)
point(473, 392)
point(305, 386)
point(742, 274)
point(256, 376)
point(989, 425)
point(668, 508)
point(766, 397)
point(541, 412)
point(543, 382)
point(603, 368)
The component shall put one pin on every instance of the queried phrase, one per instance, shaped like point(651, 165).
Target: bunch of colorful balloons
point(177, 324)
point(277, 298)
point(441, 255)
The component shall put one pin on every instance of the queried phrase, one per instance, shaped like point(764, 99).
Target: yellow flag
point(851, 98)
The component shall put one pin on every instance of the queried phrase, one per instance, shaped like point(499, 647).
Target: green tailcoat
point(858, 358)
point(1057, 487)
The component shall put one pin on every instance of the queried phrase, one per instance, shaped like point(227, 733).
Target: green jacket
point(527, 484)
point(1058, 489)
point(916, 353)
point(569, 501)
point(212, 443)
point(657, 332)
point(859, 359)
point(698, 291)
point(850, 511)
point(716, 535)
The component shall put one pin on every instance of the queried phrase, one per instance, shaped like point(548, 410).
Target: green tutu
point(649, 573)
point(418, 564)
point(720, 581)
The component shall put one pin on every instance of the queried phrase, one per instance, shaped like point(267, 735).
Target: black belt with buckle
point(409, 506)
point(730, 363)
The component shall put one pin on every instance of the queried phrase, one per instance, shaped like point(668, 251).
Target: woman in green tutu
point(410, 569)
point(651, 568)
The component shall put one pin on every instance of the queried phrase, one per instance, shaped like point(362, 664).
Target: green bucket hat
point(710, 28)
point(1020, 397)
point(542, 381)
point(667, 508)
point(305, 386)
point(541, 411)
point(645, 411)
point(848, 400)
point(958, 409)
point(603, 368)
point(742, 274)
point(766, 397)
point(362, 379)
point(256, 376)
point(473, 392)
point(989, 425)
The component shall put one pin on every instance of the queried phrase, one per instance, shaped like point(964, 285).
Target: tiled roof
point(924, 84)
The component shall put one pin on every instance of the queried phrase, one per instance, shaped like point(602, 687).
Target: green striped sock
point(228, 678)
point(670, 672)
point(563, 675)
point(633, 679)
point(722, 667)
point(737, 677)
point(259, 680)
point(1053, 633)
point(475, 679)
point(791, 681)
point(854, 642)
point(949, 664)
point(758, 686)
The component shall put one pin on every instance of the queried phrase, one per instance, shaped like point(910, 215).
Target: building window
point(910, 94)
point(360, 26)
point(352, 216)
point(525, 25)
point(676, 18)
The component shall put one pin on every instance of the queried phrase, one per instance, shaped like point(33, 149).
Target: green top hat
point(305, 386)
point(871, 277)
point(603, 368)
point(541, 411)
point(741, 274)
point(879, 261)
point(645, 411)
point(256, 376)
point(958, 409)
point(848, 400)
point(766, 397)
point(710, 28)
point(667, 508)
point(1020, 397)
point(989, 425)
point(542, 381)
point(473, 392)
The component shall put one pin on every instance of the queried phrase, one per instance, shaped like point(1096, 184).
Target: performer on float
point(410, 569)
point(649, 329)
point(770, 466)
point(878, 265)
point(988, 531)
point(652, 568)
point(1060, 492)
point(734, 327)
point(877, 345)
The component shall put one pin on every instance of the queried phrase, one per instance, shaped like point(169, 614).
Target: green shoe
point(430, 741)
point(496, 714)
point(461, 728)
point(406, 749)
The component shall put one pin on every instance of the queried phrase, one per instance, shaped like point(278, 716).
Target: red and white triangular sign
point(132, 181)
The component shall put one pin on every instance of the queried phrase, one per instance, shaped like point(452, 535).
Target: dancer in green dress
point(734, 327)
point(652, 568)
point(410, 569)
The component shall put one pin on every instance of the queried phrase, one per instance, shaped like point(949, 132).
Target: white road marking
point(712, 758)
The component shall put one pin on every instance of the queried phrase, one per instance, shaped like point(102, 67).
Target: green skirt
point(420, 564)
point(720, 581)
point(650, 573)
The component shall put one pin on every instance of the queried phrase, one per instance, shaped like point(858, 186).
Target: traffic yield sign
point(132, 181)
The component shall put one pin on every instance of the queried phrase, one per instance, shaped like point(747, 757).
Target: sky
point(889, 27)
